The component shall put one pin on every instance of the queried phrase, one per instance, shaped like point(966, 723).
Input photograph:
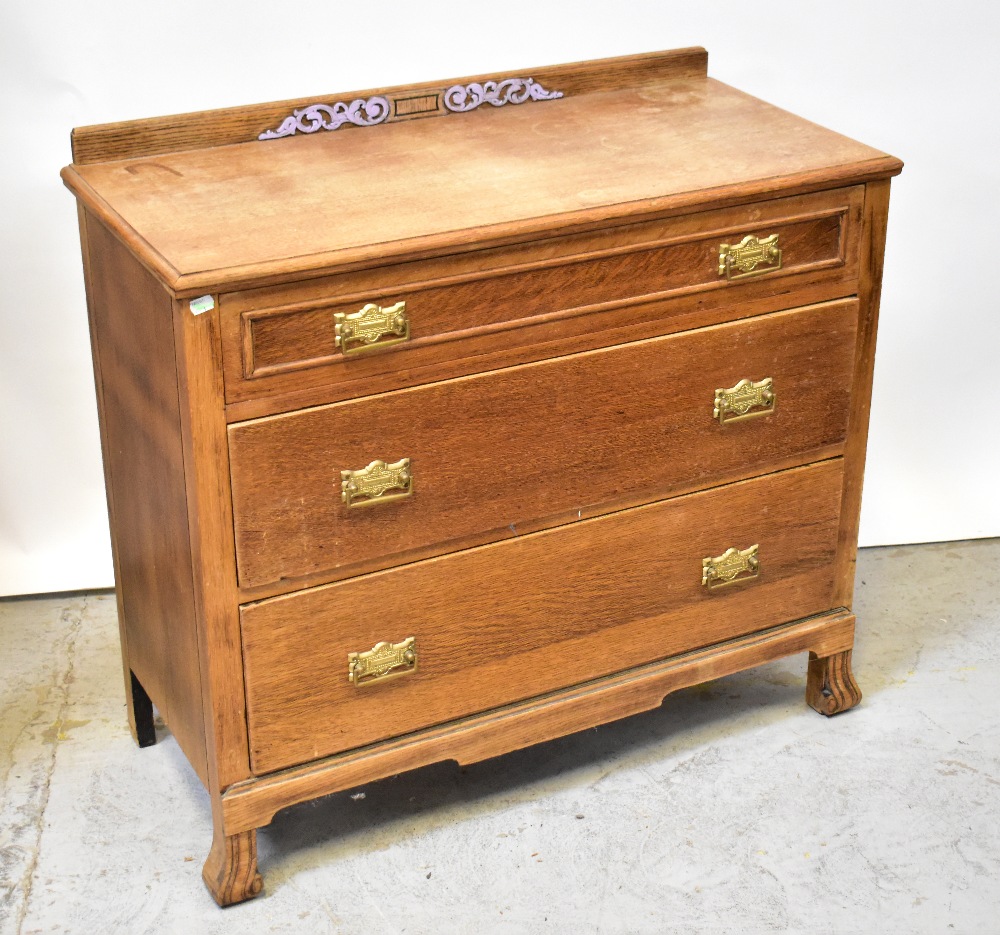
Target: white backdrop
point(915, 80)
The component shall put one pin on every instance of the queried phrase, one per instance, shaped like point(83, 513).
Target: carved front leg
point(230, 873)
point(830, 685)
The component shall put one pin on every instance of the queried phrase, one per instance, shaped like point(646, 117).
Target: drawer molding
point(250, 320)
point(253, 803)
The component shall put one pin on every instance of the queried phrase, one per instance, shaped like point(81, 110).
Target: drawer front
point(505, 622)
point(286, 340)
point(504, 453)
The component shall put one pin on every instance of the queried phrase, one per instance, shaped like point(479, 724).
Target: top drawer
point(475, 311)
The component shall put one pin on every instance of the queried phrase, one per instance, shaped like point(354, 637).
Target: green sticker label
point(204, 303)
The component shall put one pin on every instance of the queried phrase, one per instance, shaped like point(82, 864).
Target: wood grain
point(254, 803)
point(206, 470)
point(540, 252)
point(830, 685)
point(139, 709)
point(133, 343)
point(507, 452)
point(283, 340)
point(540, 339)
point(270, 212)
point(157, 135)
point(869, 293)
point(505, 622)
point(230, 872)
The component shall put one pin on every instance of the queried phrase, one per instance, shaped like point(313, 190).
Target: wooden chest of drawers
point(431, 439)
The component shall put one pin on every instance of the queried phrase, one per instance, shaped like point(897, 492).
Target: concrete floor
point(732, 808)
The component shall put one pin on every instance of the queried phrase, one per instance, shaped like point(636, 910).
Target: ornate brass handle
point(384, 661)
point(372, 484)
point(731, 567)
point(752, 256)
point(744, 401)
point(361, 331)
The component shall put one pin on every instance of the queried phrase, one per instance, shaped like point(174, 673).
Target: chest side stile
point(206, 457)
point(230, 871)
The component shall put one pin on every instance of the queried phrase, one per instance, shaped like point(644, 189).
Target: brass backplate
point(731, 567)
point(383, 662)
point(752, 256)
point(377, 483)
point(745, 400)
point(372, 328)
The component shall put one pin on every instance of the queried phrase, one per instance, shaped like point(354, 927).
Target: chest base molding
point(253, 804)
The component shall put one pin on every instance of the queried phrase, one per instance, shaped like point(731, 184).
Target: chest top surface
point(645, 141)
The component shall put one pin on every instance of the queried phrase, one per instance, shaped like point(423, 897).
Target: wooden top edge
point(317, 265)
point(207, 129)
point(99, 208)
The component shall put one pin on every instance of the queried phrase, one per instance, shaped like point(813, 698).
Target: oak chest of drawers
point(442, 420)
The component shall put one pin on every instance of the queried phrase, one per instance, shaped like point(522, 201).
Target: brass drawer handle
point(384, 661)
point(360, 331)
point(744, 401)
point(731, 567)
point(371, 484)
point(737, 261)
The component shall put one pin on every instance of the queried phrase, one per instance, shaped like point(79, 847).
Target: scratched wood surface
point(151, 136)
point(259, 212)
point(869, 294)
point(509, 451)
point(253, 803)
point(131, 320)
point(510, 305)
point(511, 620)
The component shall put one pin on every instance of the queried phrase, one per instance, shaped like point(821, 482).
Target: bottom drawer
point(507, 621)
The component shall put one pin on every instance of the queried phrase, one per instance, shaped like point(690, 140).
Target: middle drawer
point(502, 453)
